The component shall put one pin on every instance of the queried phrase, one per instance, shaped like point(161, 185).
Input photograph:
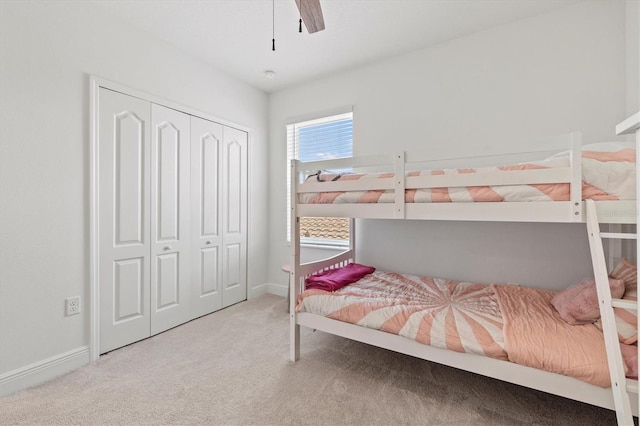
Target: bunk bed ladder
point(620, 386)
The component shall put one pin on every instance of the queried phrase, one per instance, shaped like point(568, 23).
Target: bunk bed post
point(399, 184)
point(576, 176)
point(294, 272)
point(352, 238)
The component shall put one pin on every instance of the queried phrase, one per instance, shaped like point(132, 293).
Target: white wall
point(48, 49)
point(546, 75)
point(632, 44)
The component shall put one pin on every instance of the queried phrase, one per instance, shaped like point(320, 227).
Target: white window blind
point(319, 139)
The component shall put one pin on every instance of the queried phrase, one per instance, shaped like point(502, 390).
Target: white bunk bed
point(569, 211)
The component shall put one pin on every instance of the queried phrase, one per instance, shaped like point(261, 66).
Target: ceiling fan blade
point(311, 15)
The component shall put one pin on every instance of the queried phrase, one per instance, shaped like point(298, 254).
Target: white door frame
point(94, 253)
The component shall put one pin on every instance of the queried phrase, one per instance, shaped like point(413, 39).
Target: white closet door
point(170, 187)
point(234, 218)
point(123, 198)
point(206, 219)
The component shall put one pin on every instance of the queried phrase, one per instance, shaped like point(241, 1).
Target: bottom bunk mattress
point(506, 322)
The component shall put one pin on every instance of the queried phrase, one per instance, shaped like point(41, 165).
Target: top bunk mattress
point(608, 173)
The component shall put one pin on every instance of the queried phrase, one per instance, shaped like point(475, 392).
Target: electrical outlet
point(72, 305)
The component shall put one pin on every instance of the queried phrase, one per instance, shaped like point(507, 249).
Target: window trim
point(323, 243)
point(318, 115)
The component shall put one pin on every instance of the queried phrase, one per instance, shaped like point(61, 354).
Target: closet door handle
point(208, 242)
point(166, 248)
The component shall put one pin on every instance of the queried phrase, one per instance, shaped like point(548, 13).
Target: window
point(320, 139)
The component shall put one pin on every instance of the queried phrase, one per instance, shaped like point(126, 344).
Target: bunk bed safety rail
point(333, 262)
point(514, 177)
point(400, 165)
point(344, 163)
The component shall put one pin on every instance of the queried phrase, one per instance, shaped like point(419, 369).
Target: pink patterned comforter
point(499, 321)
point(609, 172)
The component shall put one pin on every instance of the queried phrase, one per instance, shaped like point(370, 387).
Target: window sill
point(325, 246)
point(334, 247)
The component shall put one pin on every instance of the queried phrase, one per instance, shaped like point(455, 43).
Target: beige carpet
point(231, 368)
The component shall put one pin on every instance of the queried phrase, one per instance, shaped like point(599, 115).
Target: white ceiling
point(235, 35)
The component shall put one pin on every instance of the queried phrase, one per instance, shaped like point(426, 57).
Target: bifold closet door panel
point(124, 218)
point(170, 233)
point(206, 219)
point(234, 218)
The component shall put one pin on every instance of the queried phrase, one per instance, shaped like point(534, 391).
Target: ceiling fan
point(311, 14)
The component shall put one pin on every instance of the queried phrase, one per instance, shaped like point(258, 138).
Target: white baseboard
point(278, 289)
point(258, 290)
point(269, 288)
point(44, 370)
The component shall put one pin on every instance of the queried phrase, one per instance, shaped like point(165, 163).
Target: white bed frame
point(572, 211)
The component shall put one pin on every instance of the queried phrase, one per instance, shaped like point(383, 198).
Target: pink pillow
point(630, 357)
point(628, 273)
point(578, 304)
point(626, 319)
point(333, 279)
